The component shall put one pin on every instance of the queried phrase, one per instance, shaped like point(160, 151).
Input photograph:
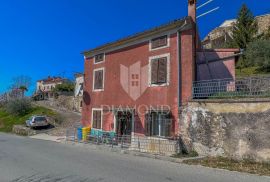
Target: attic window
point(159, 42)
point(99, 58)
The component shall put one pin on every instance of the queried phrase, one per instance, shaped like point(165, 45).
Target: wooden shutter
point(163, 41)
point(98, 79)
point(98, 119)
point(155, 43)
point(94, 122)
point(162, 70)
point(154, 71)
point(147, 124)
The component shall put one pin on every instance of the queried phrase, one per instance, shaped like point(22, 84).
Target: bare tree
point(21, 82)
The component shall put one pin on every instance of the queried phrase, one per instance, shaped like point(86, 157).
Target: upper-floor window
point(98, 82)
point(159, 42)
point(159, 70)
point(99, 58)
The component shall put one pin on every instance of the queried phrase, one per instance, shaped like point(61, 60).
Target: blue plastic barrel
point(79, 133)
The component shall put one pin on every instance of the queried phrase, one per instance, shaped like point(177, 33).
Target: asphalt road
point(24, 160)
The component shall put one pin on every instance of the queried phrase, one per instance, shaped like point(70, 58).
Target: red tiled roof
point(52, 80)
point(179, 23)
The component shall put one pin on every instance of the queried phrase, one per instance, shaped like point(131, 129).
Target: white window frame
point(98, 69)
point(101, 61)
point(168, 42)
point(159, 131)
point(167, 55)
point(101, 123)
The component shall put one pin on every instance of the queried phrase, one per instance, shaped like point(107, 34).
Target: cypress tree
point(245, 29)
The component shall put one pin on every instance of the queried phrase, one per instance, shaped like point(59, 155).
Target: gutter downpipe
point(179, 60)
point(179, 56)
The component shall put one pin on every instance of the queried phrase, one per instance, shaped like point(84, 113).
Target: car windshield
point(40, 118)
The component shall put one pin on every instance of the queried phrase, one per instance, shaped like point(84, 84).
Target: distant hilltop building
point(44, 89)
point(222, 34)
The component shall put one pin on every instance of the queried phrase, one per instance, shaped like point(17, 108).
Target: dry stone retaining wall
point(239, 130)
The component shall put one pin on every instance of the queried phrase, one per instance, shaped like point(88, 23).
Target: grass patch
point(7, 120)
point(1, 124)
point(186, 155)
point(233, 165)
point(250, 71)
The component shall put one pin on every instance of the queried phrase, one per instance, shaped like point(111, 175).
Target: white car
point(37, 121)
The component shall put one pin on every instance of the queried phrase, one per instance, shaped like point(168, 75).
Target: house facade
point(44, 87)
point(137, 85)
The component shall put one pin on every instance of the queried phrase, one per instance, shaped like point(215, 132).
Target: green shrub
point(190, 154)
point(65, 87)
point(258, 54)
point(18, 107)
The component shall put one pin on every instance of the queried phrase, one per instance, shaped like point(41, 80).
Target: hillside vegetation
point(254, 44)
point(7, 120)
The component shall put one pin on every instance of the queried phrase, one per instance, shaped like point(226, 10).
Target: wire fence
point(154, 145)
point(232, 88)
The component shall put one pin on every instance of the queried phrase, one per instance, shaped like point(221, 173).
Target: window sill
point(159, 85)
point(97, 129)
point(98, 62)
point(158, 48)
point(158, 137)
point(98, 90)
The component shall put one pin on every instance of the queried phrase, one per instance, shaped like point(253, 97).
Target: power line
point(205, 4)
point(208, 12)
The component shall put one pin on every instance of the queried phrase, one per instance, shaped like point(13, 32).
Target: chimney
point(192, 9)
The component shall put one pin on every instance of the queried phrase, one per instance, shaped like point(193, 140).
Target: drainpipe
point(179, 67)
point(179, 48)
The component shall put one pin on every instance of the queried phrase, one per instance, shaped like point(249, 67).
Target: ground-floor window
point(158, 123)
point(96, 118)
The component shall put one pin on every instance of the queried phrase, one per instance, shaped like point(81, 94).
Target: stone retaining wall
point(22, 130)
point(239, 130)
point(64, 102)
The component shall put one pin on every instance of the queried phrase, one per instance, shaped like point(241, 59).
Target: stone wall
point(240, 130)
point(63, 102)
point(77, 103)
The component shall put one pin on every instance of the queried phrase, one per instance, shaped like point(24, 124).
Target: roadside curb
point(131, 152)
